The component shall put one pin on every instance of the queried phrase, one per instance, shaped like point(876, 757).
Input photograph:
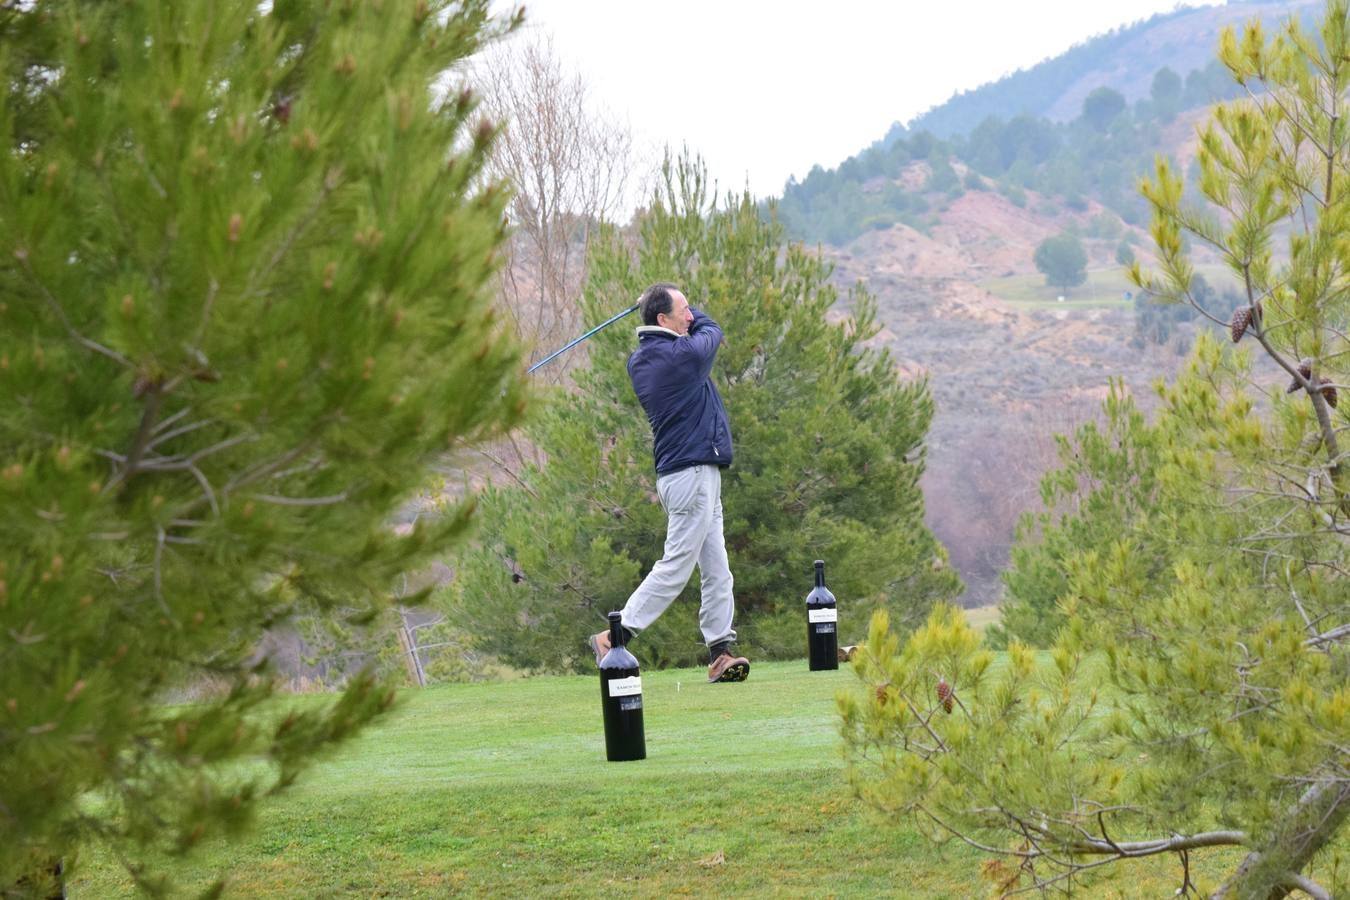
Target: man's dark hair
point(656, 301)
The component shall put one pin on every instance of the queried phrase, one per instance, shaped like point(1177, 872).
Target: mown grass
point(1104, 288)
point(979, 618)
point(502, 789)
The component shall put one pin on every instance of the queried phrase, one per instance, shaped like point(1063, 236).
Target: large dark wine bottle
point(822, 620)
point(621, 698)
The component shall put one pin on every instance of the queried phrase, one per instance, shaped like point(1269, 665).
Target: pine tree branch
point(1331, 150)
point(502, 466)
point(1106, 836)
point(997, 851)
point(921, 720)
point(139, 444)
point(207, 306)
point(1328, 432)
point(261, 470)
point(139, 156)
point(158, 576)
point(330, 182)
point(1113, 853)
point(301, 501)
point(1295, 838)
point(1307, 886)
point(1298, 604)
point(185, 463)
point(56, 307)
point(1327, 637)
point(1274, 97)
point(206, 487)
point(195, 542)
point(178, 432)
point(245, 438)
point(165, 423)
point(1035, 837)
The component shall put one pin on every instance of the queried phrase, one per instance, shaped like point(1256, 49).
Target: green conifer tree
point(1101, 106)
point(246, 262)
point(828, 454)
point(1166, 92)
point(1198, 693)
point(1107, 480)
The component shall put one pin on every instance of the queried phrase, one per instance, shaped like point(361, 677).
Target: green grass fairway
point(980, 618)
point(1104, 288)
point(502, 790)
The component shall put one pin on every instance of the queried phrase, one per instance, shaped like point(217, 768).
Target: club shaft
point(604, 324)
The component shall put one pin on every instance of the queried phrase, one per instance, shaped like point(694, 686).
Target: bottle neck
point(617, 638)
point(820, 575)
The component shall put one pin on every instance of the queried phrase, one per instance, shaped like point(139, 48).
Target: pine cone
point(1242, 317)
point(945, 695)
point(1305, 370)
point(1328, 391)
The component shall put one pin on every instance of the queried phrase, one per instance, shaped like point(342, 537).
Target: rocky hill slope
point(1008, 362)
point(942, 228)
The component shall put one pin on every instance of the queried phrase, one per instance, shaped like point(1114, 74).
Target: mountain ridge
point(1124, 59)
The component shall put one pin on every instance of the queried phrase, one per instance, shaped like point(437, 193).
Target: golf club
point(602, 325)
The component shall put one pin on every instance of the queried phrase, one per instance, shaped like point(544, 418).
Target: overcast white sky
point(764, 90)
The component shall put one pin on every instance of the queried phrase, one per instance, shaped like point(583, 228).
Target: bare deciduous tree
point(571, 164)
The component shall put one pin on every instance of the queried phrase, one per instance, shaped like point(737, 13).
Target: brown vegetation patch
point(900, 250)
point(915, 175)
point(995, 235)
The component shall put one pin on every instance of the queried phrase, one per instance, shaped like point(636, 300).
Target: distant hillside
point(912, 181)
point(1124, 59)
point(1083, 126)
point(943, 228)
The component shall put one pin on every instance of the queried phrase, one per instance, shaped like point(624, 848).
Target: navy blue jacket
point(670, 375)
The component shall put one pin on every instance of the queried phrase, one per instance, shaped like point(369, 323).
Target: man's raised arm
point(705, 336)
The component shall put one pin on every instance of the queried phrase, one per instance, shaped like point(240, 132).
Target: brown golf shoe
point(727, 668)
point(600, 644)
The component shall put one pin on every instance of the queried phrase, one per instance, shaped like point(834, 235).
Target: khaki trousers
point(692, 499)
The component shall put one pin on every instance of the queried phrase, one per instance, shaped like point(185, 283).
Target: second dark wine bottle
point(822, 620)
point(621, 698)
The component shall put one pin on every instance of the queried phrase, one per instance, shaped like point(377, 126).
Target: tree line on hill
point(1100, 154)
point(1038, 91)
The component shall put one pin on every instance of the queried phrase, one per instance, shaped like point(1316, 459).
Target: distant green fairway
point(1104, 288)
point(503, 790)
point(981, 617)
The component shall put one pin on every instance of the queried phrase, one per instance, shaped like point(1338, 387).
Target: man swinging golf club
point(671, 374)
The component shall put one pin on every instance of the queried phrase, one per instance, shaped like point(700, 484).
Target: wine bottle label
point(626, 687)
point(822, 615)
point(628, 704)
